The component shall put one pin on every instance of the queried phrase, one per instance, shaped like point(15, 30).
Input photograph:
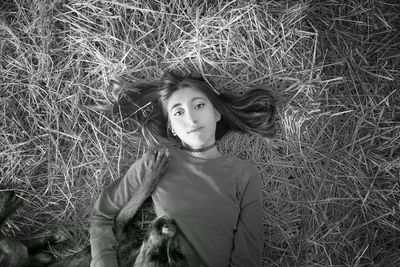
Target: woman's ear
point(170, 128)
point(217, 115)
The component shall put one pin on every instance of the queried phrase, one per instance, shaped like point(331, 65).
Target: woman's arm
point(248, 240)
point(138, 182)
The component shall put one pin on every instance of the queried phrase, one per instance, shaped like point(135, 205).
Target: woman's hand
point(157, 165)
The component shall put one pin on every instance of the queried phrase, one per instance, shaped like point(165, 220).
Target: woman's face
point(193, 117)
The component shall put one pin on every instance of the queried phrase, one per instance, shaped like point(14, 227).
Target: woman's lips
point(195, 130)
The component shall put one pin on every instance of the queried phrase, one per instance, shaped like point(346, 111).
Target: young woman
point(215, 198)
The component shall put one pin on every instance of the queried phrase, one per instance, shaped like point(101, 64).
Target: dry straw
point(331, 177)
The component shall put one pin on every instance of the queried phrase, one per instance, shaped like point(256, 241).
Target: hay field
point(331, 176)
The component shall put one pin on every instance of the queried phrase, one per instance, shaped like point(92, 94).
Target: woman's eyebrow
point(193, 99)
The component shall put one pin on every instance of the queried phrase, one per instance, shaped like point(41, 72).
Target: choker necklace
point(198, 150)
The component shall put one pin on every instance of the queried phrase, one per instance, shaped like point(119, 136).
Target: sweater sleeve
point(248, 239)
point(109, 203)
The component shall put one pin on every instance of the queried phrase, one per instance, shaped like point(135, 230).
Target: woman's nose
point(191, 118)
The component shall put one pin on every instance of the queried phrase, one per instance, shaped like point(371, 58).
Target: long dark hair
point(142, 106)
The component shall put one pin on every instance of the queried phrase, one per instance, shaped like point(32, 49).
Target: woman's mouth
point(197, 129)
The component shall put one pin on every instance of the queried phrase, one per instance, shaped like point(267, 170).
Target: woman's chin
point(195, 145)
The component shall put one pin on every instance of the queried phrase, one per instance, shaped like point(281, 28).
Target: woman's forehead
point(184, 95)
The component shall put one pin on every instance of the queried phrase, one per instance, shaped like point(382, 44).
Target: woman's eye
point(200, 105)
point(178, 113)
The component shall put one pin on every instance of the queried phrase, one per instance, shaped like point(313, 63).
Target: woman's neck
point(208, 154)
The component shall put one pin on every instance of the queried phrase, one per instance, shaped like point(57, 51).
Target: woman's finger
point(160, 153)
point(154, 156)
point(164, 160)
